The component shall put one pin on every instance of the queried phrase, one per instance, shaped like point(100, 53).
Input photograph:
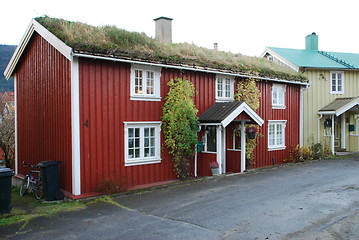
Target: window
point(142, 143)
point(336, 82)
point(236, 138)
point(278, 96)
point(276, 135)
point(224, 88)
point(145, 83)
point(210, 143)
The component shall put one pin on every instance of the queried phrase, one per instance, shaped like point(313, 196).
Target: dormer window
point(224, 88)
point(145, 83)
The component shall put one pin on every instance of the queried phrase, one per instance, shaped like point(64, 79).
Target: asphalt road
point(316, 200)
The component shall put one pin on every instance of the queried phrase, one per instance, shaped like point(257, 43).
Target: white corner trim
point(16, 131)
point(75, 128)
point(43, 32)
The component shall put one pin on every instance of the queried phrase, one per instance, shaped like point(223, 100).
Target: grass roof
point(112, 41)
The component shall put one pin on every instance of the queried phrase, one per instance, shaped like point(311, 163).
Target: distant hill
point(6, 52)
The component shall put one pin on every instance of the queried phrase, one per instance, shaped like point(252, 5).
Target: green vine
point(248, 92)
point(180, 124)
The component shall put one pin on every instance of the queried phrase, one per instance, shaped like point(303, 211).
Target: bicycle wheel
point(39, 190)
point(24, 186)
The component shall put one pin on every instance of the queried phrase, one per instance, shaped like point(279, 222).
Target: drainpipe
point(332, 134)
point(195, 162)
point(321, 115)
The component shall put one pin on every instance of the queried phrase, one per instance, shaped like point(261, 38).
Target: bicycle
point(31, 184)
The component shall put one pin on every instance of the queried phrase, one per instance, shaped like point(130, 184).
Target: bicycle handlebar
point(29, 165)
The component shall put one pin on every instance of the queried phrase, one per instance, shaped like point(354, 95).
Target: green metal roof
point(318, 59)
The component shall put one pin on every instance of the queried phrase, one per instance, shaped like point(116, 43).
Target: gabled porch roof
point(223, 113)
point(340, 106)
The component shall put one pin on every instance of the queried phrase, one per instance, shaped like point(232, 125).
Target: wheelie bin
point(5, 189)
point(49, 171)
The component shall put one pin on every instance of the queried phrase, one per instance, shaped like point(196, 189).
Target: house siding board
point(44, 108)
point(105, 105)
point(291, 114)
point(318, 96)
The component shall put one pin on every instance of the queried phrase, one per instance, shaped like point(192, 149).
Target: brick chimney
point(164, 29)
point(311, 42)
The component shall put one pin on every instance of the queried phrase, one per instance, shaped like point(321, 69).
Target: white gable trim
point(34, 26)
point(280, 59)
point(247, 109)
point(345, 108)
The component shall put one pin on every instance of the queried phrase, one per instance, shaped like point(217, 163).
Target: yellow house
point(331, 103)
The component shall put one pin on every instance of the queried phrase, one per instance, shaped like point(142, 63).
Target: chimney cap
point(166, 18)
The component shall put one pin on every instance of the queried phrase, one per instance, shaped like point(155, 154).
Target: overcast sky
point(242, 26)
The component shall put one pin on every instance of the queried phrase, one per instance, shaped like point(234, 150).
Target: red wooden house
point(98, 109)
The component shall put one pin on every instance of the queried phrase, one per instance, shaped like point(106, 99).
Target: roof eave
point(187, 67)
point(280, 58)
point(34, 26)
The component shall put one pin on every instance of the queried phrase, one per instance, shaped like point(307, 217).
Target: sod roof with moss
point(113, 42)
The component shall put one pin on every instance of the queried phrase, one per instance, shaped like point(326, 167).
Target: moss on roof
point(112, 41)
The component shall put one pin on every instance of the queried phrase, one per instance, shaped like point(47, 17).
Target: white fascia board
point(326, 112)
point(280, 58)
point(247, 109)
point(347, 107)
point(43, 32)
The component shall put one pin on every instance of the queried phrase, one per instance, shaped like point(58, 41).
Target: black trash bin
point(5, 189)
point(49, 171)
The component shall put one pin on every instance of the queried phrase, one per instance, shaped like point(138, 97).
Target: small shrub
point(317, 150)
point(300, 154)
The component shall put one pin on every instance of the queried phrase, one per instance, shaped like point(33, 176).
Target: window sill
point(276, 148)
point(338, 93)
point(225, 100)
point(278, 107)
point(141, 162)
point(209, 152)
point(145, 98)
point(234, 150)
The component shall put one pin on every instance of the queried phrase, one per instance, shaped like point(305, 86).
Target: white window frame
point(276, 145)
point(336, 91)
point(279, 101)
point(142, 159)
point(156, 71)
point(226, 86)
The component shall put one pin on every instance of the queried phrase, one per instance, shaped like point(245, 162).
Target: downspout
point(332, 142)
point(195, 162)
point(321, 115)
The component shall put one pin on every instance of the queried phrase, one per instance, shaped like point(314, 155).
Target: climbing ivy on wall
point(248, 92)
point(180, 123)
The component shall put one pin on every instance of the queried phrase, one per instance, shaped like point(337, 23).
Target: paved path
point(316, 200)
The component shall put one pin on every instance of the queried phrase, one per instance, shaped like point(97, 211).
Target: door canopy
point(223, 113)
point(340, 106)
